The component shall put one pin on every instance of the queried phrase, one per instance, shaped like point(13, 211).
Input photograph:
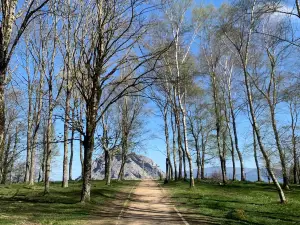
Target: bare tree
point(10, 36)
point(108, 37)
point(241, 46)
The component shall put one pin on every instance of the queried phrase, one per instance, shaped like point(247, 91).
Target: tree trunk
point(177, 122)
point(5, 166)
point(122, 168)
point(66, 137)
point(224, 153)
point(109, 161)
point(256, 158)
point(169, 173)
point(105, 164)
point(6, 29)
point(66, 174)
point(36, 128)
point(48, 153)
point(243, 178)
point(184, 163)
point(294, 117)
point(13, 158)
point(218, 124)
point(202, 157)
point(281, 152)
point(2, 117)
point(233, 158)
point(174, 147)
point(295, 158)
point(80, 141)
point(257, 131)
point(198, 161)
point(43, 163)
point(32, 163)
point(186, 146)
point(81, 155)
point(231, 140)
point(88, 145)
point(72, 149)
point(29, 138)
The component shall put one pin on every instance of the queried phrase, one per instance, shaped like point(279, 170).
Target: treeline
point(93, 65)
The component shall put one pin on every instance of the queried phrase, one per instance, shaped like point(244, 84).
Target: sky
point(155, 147)
point(155, 144)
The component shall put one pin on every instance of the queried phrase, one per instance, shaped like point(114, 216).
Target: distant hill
point(136, 167)
point(251, 173)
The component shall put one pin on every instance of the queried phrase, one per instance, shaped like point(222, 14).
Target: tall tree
point(10, 35)
point(105, 48)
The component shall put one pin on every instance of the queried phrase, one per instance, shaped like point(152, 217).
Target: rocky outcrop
point(136, 167)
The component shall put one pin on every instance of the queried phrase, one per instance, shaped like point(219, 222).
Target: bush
point(216, 176)
point(236, 214)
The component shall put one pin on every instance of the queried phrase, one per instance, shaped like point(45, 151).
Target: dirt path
point(148, 204)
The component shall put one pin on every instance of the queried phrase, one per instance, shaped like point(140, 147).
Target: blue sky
point(155, 145)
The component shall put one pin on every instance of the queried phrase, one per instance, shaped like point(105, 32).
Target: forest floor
point(27, 205)
point(235, 203)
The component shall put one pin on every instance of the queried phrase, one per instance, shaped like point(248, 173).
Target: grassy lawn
point(23, 204)
point(237, 202)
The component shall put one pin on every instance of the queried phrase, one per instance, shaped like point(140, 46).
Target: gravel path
point(148, 204)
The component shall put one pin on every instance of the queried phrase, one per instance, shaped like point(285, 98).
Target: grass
point(236, 202)
point(23, 204)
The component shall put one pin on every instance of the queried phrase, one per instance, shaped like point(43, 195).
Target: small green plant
point(236, 214)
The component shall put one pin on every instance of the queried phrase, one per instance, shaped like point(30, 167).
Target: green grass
point(237, 202)
point(23, 204)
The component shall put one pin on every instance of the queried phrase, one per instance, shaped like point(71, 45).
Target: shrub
point(236, 214)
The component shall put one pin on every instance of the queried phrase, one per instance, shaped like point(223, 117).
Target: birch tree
point(242, 46)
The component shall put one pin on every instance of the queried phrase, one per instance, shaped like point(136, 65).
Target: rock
point(137, 167)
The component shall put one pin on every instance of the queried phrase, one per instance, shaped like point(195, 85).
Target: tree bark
point(257, 131)
point(123, 162)
point(170, 172)
point(36, 128)
point(174, 146)
point(186, 146)
point(105, 164)
point(255, 157)
point(198, 160)
point(218, 124)
point(281, 152)
point(81, 142)
point(177, 122)
point(66, 137)
point(228, 128)
point(233, 158)
point(109, 161)
point(48, 152)
point(29, 132)
point(243, 178)
point(2, 114)
point(5, 166)
point(72, 147)
point(203, 149)
point(67, 106)
point(295, 156)
point(88, 144)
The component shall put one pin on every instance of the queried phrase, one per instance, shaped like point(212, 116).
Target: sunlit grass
point(23, 204)
point(257, 202)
